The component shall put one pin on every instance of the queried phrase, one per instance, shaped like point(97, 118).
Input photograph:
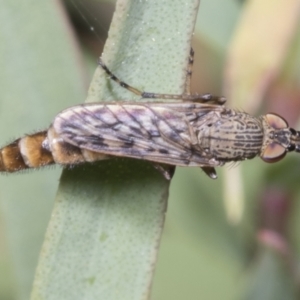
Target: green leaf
point(103, 237)
point(40, 75)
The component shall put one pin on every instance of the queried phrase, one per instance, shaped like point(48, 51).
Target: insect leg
point(166, 170)
point(204, 98)
point(117, 80)
point(210, 172)
point(189, 71)
point(195, 97)
point(200, 98)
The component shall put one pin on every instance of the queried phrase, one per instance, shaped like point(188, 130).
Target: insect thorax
point(231, 135)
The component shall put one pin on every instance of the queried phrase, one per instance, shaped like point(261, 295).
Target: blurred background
point(233, 238)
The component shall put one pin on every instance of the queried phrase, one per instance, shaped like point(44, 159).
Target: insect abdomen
point(66, 154)
point(24, 153)
point(42, 149)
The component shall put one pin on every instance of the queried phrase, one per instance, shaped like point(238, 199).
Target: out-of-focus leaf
point(200, 249)
point(258, 48)
point(216, 20)
point(269, 278)
point(40, 75)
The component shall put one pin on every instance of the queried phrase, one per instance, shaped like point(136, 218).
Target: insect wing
point(159, 133)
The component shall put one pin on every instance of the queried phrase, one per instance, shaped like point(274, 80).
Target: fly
point(191, 130)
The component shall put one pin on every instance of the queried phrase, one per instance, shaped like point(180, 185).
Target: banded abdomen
point(24, 153)
point(33, 151)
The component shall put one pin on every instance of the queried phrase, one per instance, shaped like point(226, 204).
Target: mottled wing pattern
point(159, 133)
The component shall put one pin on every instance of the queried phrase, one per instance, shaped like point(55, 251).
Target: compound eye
point(276, 121)
point(273, 153)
